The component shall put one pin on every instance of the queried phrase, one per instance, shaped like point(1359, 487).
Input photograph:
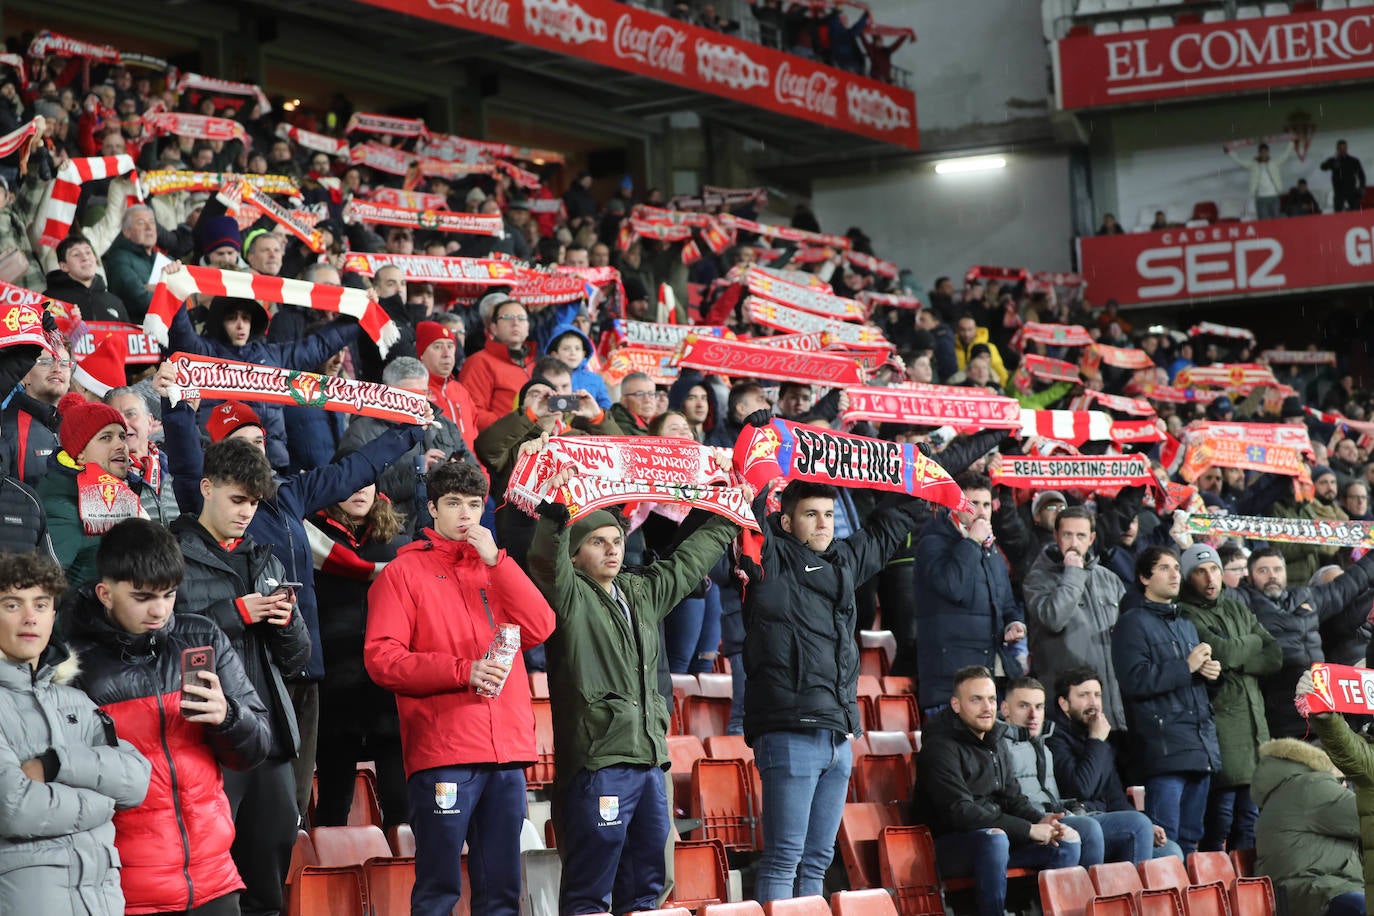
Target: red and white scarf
point(889, 300)
point(102, 499)
point(46, 42)
point(339, 558)
point(416, 268)
point(466, 223)
point(316, 143)
point(411, 200)
point(933, 405)
point(175, 287)
point(806, 298)
point(746, 360)
point(1054, 335)
point(300, 223)
point(1299, 357)
point(66, 190)
point(197, 126)
point(227, 87)
point(780, 317)
point(1118, 357)
point(386, 125)
point(23, 140)
point(381, 158)
point(1221, 330)
point(1077, 472)
point(1327, 532)
point(1339, 688)
point(1231, 376)
point(162, 181)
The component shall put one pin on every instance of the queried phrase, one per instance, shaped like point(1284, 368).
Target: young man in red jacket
point(432, 615)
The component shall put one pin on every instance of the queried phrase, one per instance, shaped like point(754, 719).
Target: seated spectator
point(637, 405)
point(130, 644)
point(966, 792)
point(78, 281)
point(1116, 836)
point(64, 772)
point(495, 374)
point(1109, 225)
point(129, 261)
point(1299, 200)
point(438, 349)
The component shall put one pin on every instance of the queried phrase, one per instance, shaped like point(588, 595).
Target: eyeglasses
point(1235, 569)
point(521, 318)
point(639, 394)
point(48, 361)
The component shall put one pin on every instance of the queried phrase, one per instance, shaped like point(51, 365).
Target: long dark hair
point(380, 525)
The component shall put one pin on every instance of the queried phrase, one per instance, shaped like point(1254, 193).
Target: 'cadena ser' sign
point(615, 34)
point(1230, 260)
point(1236, 56)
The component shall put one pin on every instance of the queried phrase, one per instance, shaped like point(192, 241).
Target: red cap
point(103, 368)
point(426, 332)
point(227, 417)
point(81, 420)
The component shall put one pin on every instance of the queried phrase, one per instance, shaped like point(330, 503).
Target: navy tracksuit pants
point(483, 806)
point(612, 825)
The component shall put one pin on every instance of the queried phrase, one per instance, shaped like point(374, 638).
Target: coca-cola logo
point(564, 20)
point(728, 65)
point(810, 92)
point(494, 12)
point(661, 47)
point(876, 109)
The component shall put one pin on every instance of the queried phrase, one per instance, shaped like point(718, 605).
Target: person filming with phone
point(174, 688)
point(240, 585)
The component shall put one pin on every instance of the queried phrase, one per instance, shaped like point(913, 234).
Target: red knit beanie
point(427, 332)
point(229, 416)
point(81, 420)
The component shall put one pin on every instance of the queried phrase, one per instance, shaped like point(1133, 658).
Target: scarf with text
point(300, 223)
point(199, 127)
point(102, 499)
point(1171, 394)
point(805, 298)
point(177, 286)
point(1340, 689)
point(787, 233)
point(1220, 330)
point(198, 83)
point(209, 377)
point(652, 361)
point(1201, 454)
point(437, 221)
point(46, 43)
point(66, 191)
point(1288, 435)
point(1327, 532)
point(163, 181)
point(665, 336)
point(796, 451)
point(1105, 473)
point(386, 125)
point(1078, 426)
point(780, 317)
point(965, 409)
point(411, 200)
point(889, 300)
point(1117, 357)
point(417, 268)
point(316, 143)
point(876, 266)
point(1299, 357)
point(381, 158)
point(747, 360)
point(1231, 376)
point(1054, 335)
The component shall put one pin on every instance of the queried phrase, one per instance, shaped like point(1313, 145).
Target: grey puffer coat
point(57, 850)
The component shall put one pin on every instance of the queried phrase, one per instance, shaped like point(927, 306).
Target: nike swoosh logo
point(814, 568)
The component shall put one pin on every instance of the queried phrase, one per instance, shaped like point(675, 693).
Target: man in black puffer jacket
point(241, 586)
point(802, 665)
point(1166, 674)
point(78, 282)
point(1294, 617)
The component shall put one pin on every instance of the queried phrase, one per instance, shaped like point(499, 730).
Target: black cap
point(1292, 407)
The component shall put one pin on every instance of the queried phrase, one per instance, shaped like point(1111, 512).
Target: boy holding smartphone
point(239, 584)
point(174, 848)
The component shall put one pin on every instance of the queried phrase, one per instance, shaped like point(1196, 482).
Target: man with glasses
point(638, 405)
point(28, 425)
point(495, 374)
point(1355, 500)
point(1233, 565)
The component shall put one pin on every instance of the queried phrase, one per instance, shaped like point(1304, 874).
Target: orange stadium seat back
point(1209, 867)
point(720, 796)
point(906, 865)
point(1243, 861)
point(1253, 897)
point(883, 778)
point(1065, 891)
point(1163, 873)
point(402, 840)
point(387, 884)
point(1112, 878)
point(683, 751)
point(328, 891)
point(797, 906)
point(860, 826)
point(540, 774)
point(700, 873)
point(876, 902)
point(705, 716)
point(743, 908)
point(728, 747)
point(716, 685)
point(336, 846)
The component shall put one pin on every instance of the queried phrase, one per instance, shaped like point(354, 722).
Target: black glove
point(760, 418)
point(554, 511)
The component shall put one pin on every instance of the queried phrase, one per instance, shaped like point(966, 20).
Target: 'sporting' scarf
point(1234, 376)
point(197, 126)
point(418, 268)
point(799, 452)
point(1055, 335)
point(1238, 453)
point(1299, 357)
point(805, 298)
point(1339, 688)
point(666, 336)
point(613, 470)
point(103, 500)
point(224, 87)
point(66, 190)
point(175, 287)
point(46, 42)
point(442, 221)
point(161, 181)
point(208, 377)
point(780, 317)
point(299, 223)
point(933, 405)
point(1330, 533)
point(743, 360)
point(1079, 472)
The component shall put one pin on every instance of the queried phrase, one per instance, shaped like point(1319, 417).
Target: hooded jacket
point(211, 588)
point(306, 354)
point(494, 380)
point(966, 605)
point(57, 838)
point(715, 402)
point(1168, 712)
point(800, 657)
point(961, 352)
point(1070, 612)
point(583, 378)
point(28, 435)
point(1032, 765)
point(603, 663)
point(1307, 838)
point(455, 402)
point(1247, 652)
point(434, 610)
point(97, 303)
point(1084, 767)
point(174, 847)
point(967, 782)
point(1294, 619)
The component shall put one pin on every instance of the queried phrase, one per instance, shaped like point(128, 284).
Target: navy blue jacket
point(312, 436)
point(279, 520)
point(1168, 710)
point(964, 604)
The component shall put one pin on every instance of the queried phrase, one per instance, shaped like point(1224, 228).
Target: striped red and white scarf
point(66, 190)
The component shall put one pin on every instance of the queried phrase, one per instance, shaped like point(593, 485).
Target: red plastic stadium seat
point(882, 639)
point(1206, 900)
point(701, 874)
point(540, 774)
point(705, 716)
point(1253, 897)
point(365, 809)
point(402, 840)
point(388, 883)
point(728, 747)
point(670, 911)
point(1205, 209)
point(889, 742)
point(1065, 891)
point(860, 827)
point(877, 902)
point(336, 846)
point(1112, 878)
point(797, 906)
point(1243, 861)
point(872, 661)
point(716, 685)
point(743, 908)
point(719, 794)
point(337, 891)
point(906, 864)
point(1210, 867)
point(883, 778)
point(895, 686)
point(896, 712)
point(683, 751)
point(1163, 872)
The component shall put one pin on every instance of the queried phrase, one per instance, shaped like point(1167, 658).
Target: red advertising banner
point(1241, 55)
point(1231, 260)
point(638, 41)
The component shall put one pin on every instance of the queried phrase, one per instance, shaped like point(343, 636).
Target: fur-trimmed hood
point(1310, 756)
point(1286, 766)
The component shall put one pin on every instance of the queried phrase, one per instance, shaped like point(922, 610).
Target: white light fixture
point(969, 164)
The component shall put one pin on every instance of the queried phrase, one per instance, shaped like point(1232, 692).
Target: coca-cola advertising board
point(638, 41)
point(1230, 260)
point(1241, 55)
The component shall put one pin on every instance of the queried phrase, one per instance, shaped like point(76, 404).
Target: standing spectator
point(1347, 178)
point(129, 261)
point(146, 462)
point(603, 661)
point(495, 374)
point(1085, 764)
point(1308, 834)
point(432, 616)
point(1246, 652)
point(802, 665)
point(1164, 670)
point(1266, 181)
point(29, 424)
point(174, 849)
point(1299, 200)
point(77, 281)
point(63, 771)
point(967, 612)
point(846, 51)
point(1072, 603)
point(437, 347)
point(240, 585)
point(966, 792)
point(18, 210)
point(574, 349)
point(968, 335)
point(636, 406)
point(1109, 225)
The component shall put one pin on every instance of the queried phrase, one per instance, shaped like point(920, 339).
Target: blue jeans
point(985, 855)
point(1267, 207)
point(805, 780)
point(736, 726)
point(1170, 848)
point(1351, 904)
point(692, 633)
point(612, 827)
point(1178, 803)
point(444, 803)
point(1231, 817)
point(1126, 836)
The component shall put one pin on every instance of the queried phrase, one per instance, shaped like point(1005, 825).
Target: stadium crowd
point(209, 605)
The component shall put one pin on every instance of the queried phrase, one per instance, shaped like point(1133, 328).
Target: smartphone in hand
point(194, 661)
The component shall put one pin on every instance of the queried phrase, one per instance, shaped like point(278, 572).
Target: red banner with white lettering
point(647, 43)
point(1230, 260)
point(1240, 55)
